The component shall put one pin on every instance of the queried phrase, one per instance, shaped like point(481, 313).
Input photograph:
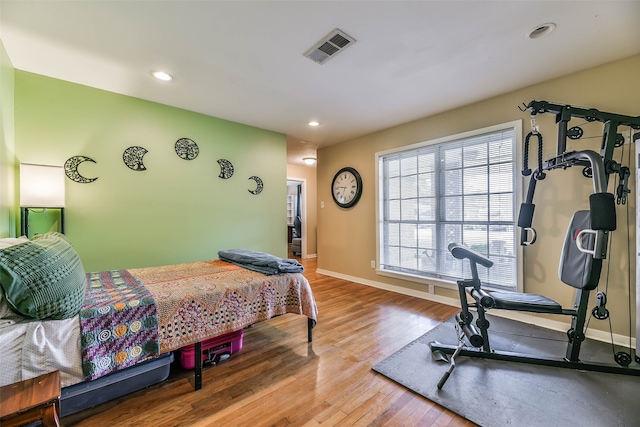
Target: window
point(461, 189)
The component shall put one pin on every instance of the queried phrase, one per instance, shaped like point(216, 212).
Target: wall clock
point(346, 187)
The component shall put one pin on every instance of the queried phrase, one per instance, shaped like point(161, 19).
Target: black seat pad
point(525, 302)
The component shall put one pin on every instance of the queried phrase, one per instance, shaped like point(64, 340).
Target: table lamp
point(41, 187)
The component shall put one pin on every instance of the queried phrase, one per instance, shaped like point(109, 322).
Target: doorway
point(296, 208)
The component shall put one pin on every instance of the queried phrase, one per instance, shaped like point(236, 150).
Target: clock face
point(346, 187)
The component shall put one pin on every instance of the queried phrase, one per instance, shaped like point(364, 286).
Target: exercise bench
point(579, 268)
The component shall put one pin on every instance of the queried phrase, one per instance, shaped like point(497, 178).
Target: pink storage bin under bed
point(213, 349)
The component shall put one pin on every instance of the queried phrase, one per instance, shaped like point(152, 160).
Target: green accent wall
point(174, 211)
point(7, 147)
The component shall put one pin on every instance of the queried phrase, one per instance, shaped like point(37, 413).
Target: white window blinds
point(458, 191)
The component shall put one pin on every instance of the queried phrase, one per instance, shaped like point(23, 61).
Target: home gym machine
point(585, 246)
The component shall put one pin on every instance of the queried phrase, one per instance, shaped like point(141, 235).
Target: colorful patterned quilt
point(200, 300)
point(118, 323)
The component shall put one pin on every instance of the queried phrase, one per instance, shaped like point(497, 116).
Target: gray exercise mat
point(495, 393)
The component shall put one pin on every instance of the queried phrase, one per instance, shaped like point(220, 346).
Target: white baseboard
point(604, 336)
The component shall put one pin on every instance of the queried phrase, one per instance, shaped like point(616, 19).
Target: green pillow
point(43, 278)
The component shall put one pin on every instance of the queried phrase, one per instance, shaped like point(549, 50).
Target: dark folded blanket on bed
point(261, 262)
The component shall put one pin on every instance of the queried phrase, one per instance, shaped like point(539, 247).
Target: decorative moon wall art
point(71, 169)
point(226, 169)
point(187, 149)
point(259, 185)
point(132, 157)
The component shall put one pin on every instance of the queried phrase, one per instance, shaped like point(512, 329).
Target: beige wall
point(347, 238)
point(308, 174)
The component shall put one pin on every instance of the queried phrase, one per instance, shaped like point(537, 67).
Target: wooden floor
point(278, 379)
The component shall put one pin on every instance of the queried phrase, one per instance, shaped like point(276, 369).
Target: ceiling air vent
point(330, 46)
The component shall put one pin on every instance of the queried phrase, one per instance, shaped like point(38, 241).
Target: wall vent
point(334, 43)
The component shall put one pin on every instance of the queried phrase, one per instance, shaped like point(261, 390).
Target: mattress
point(32, 348)
point(205, 299)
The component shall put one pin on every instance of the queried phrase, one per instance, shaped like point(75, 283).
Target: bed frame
point(132, 321)
point(197, 373)
point(88, 394)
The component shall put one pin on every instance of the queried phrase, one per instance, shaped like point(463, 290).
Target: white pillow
point(12, 241)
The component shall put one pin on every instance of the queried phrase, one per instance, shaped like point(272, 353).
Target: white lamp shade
point(41, 186)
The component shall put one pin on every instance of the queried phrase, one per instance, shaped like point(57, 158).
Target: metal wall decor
point(259, 185)
point(226, 169)
point(71, 169)
point(132, 157)
point(187, 149)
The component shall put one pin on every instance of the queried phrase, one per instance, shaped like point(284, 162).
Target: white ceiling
point(243, 60)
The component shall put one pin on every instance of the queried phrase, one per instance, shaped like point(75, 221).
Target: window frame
point(518, 188)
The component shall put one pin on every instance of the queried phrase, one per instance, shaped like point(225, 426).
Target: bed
point(127, 319)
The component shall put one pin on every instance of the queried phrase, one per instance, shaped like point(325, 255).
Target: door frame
point(303, 181)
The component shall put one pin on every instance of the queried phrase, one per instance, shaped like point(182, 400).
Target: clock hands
point(344, 190)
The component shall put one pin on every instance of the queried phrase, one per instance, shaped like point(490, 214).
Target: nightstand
point(35, 399)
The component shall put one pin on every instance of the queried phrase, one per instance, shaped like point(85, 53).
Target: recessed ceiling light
point(161, 75)
point(542, 30)
point(313, 123)
point(309, 160)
